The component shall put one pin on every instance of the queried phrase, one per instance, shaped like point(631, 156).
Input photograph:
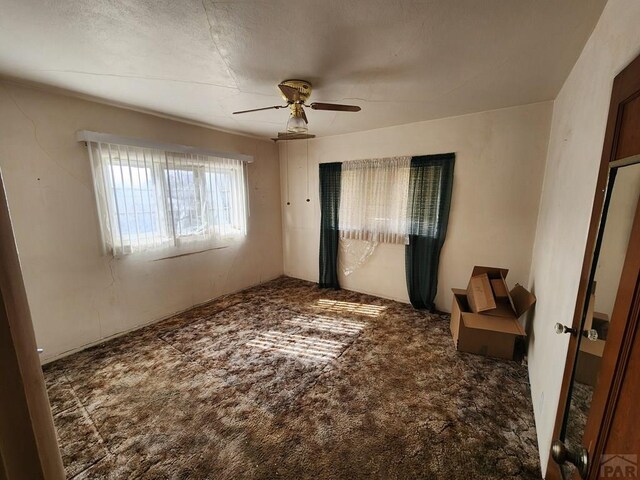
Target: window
point(149, 198)
point(428, 182)
point(373, 200)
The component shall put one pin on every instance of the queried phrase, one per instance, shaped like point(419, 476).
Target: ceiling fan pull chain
point(308, 199)
point(286, 161)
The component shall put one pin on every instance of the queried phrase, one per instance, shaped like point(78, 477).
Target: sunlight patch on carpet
point(299, 345)
point(333, 325)
point(349, 307)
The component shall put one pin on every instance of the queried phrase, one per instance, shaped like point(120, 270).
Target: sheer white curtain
point(353, 254)
point(150, 199)
point(373, 200)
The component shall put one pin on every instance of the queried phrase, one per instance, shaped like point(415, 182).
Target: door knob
point(590, 334)
point(579, 458)
point(560, 328)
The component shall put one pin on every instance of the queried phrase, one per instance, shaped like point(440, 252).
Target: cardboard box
point(487, 293)
point(590, 353)
point(484, 317)
point(589, 361)
point(489, 335)
point(480, 293)
point(499, 288)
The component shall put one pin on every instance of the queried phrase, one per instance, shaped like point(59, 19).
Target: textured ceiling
point(401, 61)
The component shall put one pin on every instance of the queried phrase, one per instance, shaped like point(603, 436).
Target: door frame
point(625, 88)
point(28, 443)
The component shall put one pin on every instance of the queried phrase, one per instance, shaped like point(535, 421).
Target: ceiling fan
point(296, 93)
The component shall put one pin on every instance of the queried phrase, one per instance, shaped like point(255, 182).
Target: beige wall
point(77, 296)
point(500, 159)
point(575, 147)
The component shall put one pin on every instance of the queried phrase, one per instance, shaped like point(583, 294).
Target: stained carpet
point(286, 380)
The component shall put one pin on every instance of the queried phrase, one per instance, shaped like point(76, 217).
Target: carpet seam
point(86, 413)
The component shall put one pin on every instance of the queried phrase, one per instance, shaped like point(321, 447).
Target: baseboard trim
point(66, 353)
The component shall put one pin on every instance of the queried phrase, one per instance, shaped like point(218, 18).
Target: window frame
point(368, 226)
point(166, 237)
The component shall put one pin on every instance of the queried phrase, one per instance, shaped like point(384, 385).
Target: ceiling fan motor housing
point(302, 86)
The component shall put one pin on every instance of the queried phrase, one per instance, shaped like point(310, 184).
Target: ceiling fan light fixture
point(296, 124)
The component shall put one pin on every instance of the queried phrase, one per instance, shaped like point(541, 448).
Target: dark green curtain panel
point(330, 176)
point(430, 184)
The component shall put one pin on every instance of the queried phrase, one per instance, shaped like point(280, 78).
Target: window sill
point(184, 254)
point(191, 248)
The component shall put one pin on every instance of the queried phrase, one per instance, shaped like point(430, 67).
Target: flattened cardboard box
point(482, 334)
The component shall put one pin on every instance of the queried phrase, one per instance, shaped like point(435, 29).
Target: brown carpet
point(581, 397)
point(285, 380)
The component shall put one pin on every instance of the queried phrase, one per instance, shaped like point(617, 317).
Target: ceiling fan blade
point(275, 107)
point(292, 136)
point(304, 115)
point(292, 94)
point(335, 107)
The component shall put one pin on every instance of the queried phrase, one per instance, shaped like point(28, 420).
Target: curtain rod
point(88, 136)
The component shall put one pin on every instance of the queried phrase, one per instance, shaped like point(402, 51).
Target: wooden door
point(28, 445)
point(612, 432)
point(613, 425)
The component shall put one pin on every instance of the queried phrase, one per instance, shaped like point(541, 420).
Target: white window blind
point(150, 198)
point(373, 200)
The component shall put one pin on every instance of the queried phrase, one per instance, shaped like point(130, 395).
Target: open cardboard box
point(484, 317)
point(488, 294)
point(482, 334)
